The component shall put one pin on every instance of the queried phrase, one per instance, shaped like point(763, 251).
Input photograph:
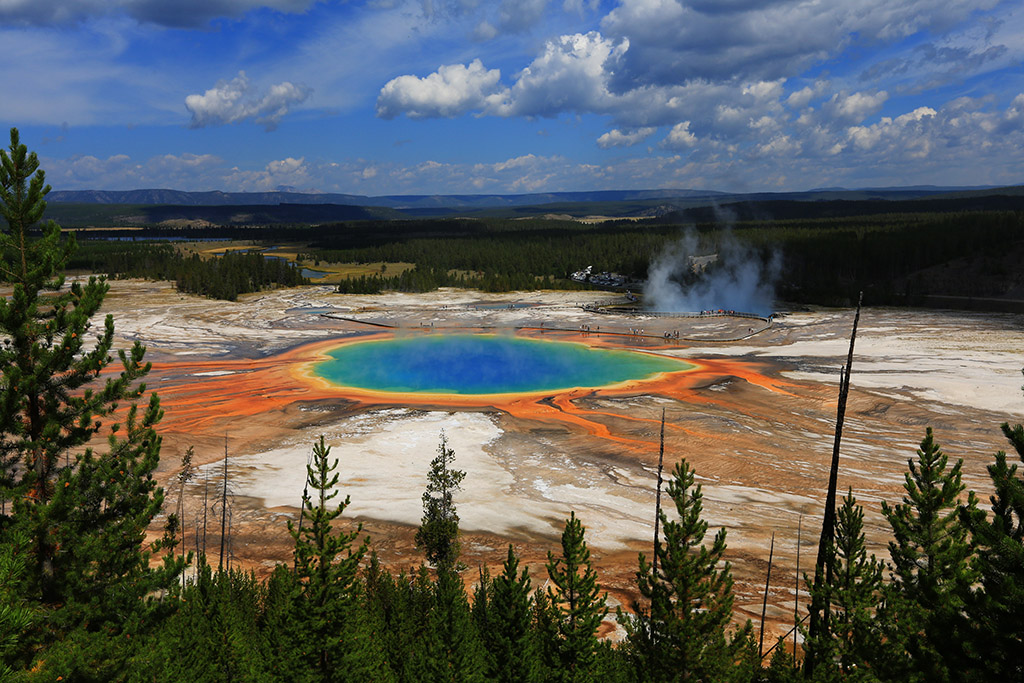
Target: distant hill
point(77, 215)
point(454, 201)
point(112, 208)
point(182, 198)
point(789, 209)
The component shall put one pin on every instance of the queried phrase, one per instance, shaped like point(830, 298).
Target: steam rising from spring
point(737, 280)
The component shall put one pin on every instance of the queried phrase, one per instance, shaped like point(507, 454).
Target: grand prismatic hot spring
point(477, 364)
point(538, 379)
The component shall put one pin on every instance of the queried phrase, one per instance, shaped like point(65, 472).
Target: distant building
point(602, 279)
point(698, 264)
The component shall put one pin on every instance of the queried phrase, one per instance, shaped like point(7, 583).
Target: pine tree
point(992, 626)
point(438, 534)
point(85, 512)
point(506, 626)
point(782, 668)
point(16, 614)
point(576, 601)
point(214, 636)
point(683, 635)
point(850, 638)
point(482, 614)
point(283, 626)
point(327, 565)
point(545, 635)
point(451, 646)
point(932, 565)
point(397, 608)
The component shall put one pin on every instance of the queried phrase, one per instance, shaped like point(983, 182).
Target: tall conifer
point(507, 632)
point(682, 633)
point(327, 564)
point(438, 534)
point(849, 638)
point(992, 625)
point(86, 513)
point(576, 600)
point(931, 563)
point(451, 647)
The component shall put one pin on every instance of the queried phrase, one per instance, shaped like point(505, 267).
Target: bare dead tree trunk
point(223, 507)
point(796, 595)
point(183, 479)
point(764, 603)
point(819, 610)
point(302, 507)
point(657, 495)
point(231, 547)
point(199, 556)
point(206, 507)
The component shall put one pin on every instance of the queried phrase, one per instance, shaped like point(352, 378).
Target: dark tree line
point(825, 259)
point(233, 273)
point(420, 279)
point(223, 277)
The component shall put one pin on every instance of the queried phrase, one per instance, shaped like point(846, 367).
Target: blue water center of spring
point(484, 364)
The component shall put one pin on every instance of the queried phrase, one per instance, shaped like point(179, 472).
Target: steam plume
point(738, 279)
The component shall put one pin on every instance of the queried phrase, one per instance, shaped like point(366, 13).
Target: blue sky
point(478, 96)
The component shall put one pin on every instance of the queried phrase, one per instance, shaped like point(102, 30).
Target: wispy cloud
point(237, 100)
point(617, 138)
point(935, 145)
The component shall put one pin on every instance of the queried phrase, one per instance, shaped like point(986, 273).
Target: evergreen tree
point(16, 613)
point(439, 529)
point(482, 614)
point(283, 627)
point(850, 638)
point(683, 635)
point(545, 635)
point(992, 626)
point(576, 602)
point(612, 664)
point(506, 624)
point(85, 513)
point(327, 564)
point(782, 668)
point(932, 566)
point(451, 647)
point(214, 636)
point(397, 609)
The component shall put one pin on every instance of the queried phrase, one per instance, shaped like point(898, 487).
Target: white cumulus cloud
point(854, 107)
point(236, 100)
point(616, 138)
point(680, 136)
point(452, 90)
point(922, 144)
point(568, 76)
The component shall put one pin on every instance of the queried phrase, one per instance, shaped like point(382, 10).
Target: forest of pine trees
point(84, 598)
point(822, 260)
point(224, 277)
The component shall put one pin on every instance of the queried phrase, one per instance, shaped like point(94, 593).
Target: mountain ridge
point(429, 201)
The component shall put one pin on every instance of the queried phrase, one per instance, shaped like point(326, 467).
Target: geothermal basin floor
point(757, 425)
